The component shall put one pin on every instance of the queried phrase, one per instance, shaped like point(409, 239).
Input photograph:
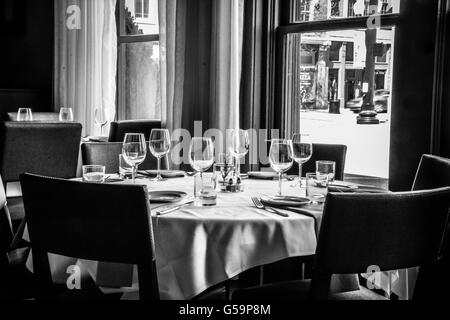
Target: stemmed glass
point(301, 152)
point(159, 147)
point(280, 158)
point(24, 114)
point(201, 156)
point(66, 115)
point(239, 146)
point(100, 119)
point(134, 151)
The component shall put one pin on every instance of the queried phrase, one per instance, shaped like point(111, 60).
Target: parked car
point(380, 100)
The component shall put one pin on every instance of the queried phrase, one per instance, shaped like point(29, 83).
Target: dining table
point(199, 247)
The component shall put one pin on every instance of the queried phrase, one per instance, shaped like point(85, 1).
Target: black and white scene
point(225, 153)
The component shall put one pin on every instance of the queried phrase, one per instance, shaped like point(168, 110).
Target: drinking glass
point(201, 158)
point(302, 152)
point(94, 173)
point(134, 151)
point(316, 187)
point(100, 119)
point(280, 158)
point(66, 115)
point(239, 146)
point(125, 170)
point(327, 168)
point(159, 147)
point(24, 114)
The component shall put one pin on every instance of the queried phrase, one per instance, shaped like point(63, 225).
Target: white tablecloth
point(197, 248)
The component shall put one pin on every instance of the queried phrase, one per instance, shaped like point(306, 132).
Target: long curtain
point(86, 60)
point(201, 57)
point(226, 63)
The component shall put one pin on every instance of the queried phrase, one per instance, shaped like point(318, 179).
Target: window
point(318, 10)
point(142, 8)
point(324, 60)
point(336, 8)
point(138, 73)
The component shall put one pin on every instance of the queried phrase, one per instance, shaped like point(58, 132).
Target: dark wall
point(26, 56)
point(444, 143)
point(413, 90)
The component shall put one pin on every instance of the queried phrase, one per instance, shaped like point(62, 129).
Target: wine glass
point(134, 151)
point(159, 147)
point(66, 115)
point(280, 158)
point(100, 119)
point(239, 146)
point(24, 114)
point(301, 152)
point(201, 156)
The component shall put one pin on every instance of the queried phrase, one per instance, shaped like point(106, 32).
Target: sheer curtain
point(86, 59)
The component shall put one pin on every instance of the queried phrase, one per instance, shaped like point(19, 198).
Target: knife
point(172, 209)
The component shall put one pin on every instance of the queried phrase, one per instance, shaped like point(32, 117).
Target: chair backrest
point(119, 129)
point(100, 222)
point(324, 152)
point(107, 154)
point(327, 152)
point(433, 172)
point(37, 116)
point(389, 231)
point(41, 148)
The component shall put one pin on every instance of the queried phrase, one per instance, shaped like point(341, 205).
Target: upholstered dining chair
point(36, 147)
point(98, 222)
point(325, 152)
point(360, 232)
point(37, 116)
point(434, 172)
point(119, 129)
point(107, 154)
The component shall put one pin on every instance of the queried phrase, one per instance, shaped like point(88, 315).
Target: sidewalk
point(368, 145)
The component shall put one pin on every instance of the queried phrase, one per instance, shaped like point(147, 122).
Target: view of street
point(368, 145)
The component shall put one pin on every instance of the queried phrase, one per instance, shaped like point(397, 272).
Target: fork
point(258, 204)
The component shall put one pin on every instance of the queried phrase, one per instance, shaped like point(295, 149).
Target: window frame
point(278, 114)
point(125, 39)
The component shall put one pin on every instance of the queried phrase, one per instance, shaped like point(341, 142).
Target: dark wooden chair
point(107, 154)
point(121, 128)
point(98, 222)
point(390, 231)
point(37, 116)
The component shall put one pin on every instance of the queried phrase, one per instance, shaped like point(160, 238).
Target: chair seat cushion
point(298, 290)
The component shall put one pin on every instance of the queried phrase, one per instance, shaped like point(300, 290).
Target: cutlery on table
point(258, 204)
point(168, 210)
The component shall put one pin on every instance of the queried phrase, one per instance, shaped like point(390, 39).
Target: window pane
point(328, 70)
point(316, 10)
point(141, 81)
point(141, 17)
